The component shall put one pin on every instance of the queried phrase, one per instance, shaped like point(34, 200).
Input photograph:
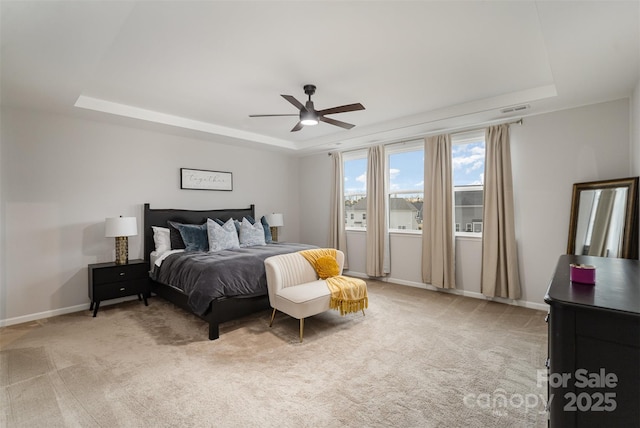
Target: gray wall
point(62, 176)
point(550, 152)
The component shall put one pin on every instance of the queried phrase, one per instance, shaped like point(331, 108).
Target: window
point(468, 180)
point(406, 185)
point(355, 189)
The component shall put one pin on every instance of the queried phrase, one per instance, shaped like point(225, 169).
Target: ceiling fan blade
point(271, 115)
point(297, 127)
point(342, 109)
point(344, 125)
point(293, 101)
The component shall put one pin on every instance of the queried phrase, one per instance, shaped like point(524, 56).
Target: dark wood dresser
point(594, 345)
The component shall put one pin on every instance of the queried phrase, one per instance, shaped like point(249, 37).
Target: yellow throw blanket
point(347, 294)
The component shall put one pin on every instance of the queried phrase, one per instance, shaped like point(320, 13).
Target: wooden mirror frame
point(630, 235)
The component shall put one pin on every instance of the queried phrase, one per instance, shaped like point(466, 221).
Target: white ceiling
point(417, 66)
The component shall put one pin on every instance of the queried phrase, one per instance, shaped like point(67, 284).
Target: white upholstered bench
point(294, 287)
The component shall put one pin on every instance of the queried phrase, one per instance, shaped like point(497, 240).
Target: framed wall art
point(202, 179)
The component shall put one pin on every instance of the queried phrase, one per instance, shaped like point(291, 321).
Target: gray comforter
point(205, 276)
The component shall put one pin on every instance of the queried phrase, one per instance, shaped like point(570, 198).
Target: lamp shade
point(275, 220)
point(120, 226)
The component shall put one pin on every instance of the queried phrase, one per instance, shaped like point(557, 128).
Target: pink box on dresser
point(585, 274)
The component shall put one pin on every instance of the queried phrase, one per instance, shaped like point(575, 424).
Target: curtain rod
point(452, 131)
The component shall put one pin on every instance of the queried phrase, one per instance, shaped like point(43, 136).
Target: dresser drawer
point(119, 289)
point(120, 273)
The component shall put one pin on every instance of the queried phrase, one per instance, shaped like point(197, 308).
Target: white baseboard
point(475, 295)
point(63, 311)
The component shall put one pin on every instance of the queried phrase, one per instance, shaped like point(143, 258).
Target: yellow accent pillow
point(327, 266)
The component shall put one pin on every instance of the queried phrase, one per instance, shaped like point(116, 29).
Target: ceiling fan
point(309, 116)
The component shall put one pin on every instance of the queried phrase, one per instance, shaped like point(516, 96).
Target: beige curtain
point(500, 277)
point(438, 255)
point(337, 234)
point(377, 263)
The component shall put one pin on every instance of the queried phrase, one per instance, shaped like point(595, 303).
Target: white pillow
point(162, 239)
point(222, 237)
point(251, 234)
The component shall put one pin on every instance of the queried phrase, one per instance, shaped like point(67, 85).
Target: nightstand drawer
point(119, 289)
point(120, 273)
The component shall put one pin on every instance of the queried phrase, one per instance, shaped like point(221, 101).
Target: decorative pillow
point(174, 235)
point(162, 239)
point(251, 234)
point(222, 237)
point(194, 236)
point(326, 267)
point(267, 230)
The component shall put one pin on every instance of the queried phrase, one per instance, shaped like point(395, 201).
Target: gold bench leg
point(301, 328)
point(363, 312)
point(273, 315)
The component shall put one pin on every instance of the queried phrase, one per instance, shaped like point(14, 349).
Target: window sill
point(469, 236)
point(458, 235)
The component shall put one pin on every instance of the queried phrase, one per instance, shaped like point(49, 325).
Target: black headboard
point(159, 217)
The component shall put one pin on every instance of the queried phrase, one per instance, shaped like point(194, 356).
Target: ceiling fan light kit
point(309, 116)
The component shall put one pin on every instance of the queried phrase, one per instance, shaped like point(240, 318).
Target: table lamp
point(275, 221)
point(120, 228)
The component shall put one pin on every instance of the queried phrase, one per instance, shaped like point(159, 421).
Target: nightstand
point(110, 281)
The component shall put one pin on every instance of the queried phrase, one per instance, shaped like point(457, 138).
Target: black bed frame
point(220, 310)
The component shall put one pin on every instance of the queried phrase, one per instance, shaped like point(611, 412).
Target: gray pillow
point(222, 237)
point(251, 234)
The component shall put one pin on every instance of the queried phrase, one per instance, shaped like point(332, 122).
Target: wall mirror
point(604, 219)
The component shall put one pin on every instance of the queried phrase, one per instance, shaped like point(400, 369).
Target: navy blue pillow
point(267, 230)
point(194, 236)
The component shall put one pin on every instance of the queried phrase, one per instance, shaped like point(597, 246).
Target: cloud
point(478, 164)
point(393, 172)
point(465, 155)
point(362, 178)
point(477, 150)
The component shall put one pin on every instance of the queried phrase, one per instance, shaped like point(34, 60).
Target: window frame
point(351, 156)
point(414, 145)
point(462, 138)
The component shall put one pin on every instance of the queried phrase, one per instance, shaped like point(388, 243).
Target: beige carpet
point(417, 359)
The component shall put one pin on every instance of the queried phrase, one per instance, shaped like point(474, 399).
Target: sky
point(406, 169)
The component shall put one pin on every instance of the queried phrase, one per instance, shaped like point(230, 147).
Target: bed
point(214, 307)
